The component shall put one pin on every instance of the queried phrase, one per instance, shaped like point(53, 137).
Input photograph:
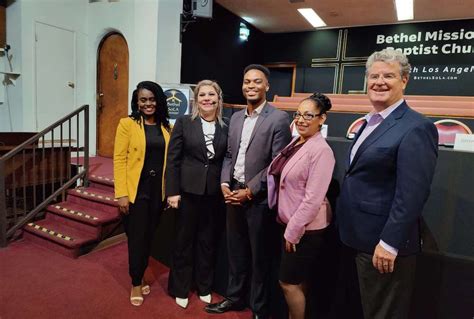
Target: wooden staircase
point(76, 226)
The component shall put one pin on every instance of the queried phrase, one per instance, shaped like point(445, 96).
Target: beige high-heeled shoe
point(135, 300)
point(145, 289)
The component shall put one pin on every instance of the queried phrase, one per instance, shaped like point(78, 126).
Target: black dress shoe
point(255, 316)
point(223, 306)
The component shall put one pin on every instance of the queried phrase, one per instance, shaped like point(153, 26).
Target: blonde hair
point(220, 102)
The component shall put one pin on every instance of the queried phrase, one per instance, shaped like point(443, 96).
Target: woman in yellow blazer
point(141, 144)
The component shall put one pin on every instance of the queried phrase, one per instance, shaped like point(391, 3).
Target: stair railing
point(38, 171)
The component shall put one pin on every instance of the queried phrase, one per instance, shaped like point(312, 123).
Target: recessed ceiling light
point(312, 17)
point(404, 9)
point(248, 19)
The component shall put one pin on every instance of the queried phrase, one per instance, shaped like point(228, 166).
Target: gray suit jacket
point(270, 135)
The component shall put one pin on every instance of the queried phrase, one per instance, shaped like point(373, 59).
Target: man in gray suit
point(256, 136)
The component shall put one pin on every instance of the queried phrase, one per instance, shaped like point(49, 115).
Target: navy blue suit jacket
point(388, 183)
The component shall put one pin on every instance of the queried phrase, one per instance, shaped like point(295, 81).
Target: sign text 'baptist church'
point(423, 38)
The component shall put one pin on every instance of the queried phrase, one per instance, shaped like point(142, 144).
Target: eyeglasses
point(386, 77)
point(306, 116)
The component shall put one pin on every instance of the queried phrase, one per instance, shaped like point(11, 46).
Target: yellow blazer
point(129, 157)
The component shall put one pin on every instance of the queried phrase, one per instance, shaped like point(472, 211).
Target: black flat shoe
point(223, 306)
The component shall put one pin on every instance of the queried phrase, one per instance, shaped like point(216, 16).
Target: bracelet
point(248, 193)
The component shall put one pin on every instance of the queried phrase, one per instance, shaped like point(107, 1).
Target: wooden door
point(282, 80)
point(112, 90)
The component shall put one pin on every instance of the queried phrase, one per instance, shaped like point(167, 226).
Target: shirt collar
point(257, 111)
point(385, 113)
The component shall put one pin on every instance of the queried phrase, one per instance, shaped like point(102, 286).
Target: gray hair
point(389, 55)
point(220, 102)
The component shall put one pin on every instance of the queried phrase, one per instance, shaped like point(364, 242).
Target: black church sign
point(441, 54)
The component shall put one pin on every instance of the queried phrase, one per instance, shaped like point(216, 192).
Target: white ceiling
point(272, 16)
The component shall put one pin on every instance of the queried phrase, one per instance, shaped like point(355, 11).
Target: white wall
point(11, 111)
point(22, 16)
point(144, 51)
point(150, 27)
point(168, 56)
point(67, 14)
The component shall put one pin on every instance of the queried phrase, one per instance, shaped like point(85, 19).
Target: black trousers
point(346, 302)
point(140, 225)
point(386, 296)
point(194, 247)
point(251, 235)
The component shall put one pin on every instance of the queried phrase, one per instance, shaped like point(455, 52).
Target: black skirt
point(296, 267)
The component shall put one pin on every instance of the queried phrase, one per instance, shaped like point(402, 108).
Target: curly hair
point(161, 110)
point(321, 101)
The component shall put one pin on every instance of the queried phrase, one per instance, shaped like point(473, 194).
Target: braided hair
point(161, 110)
point(321, 101)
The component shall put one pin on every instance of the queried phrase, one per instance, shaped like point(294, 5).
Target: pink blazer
point(302, 202)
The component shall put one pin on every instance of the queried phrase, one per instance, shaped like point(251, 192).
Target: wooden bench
point(448, 106)
point(300, 96)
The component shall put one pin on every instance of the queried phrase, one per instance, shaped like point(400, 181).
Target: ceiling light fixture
point(312, 17)
point(248, 19)
point(244, 32)
point(404, 9)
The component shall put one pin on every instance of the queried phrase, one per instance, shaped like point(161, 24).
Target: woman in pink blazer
point(298, 179)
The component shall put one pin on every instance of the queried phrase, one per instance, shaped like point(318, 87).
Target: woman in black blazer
point(196, 151)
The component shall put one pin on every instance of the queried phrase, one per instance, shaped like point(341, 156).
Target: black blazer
point(188, 169)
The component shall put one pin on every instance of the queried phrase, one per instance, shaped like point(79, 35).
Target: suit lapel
point(140, 129)
point(263, 115)
point(348, 157)
point(199, 135)
point(240, 126)
point(218, 137)
point(383, 128)
point(297, 156)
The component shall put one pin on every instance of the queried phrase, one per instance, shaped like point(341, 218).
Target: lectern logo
point(177, 103)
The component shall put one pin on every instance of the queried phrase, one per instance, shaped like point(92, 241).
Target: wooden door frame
point(285, 65)
point(97, 89)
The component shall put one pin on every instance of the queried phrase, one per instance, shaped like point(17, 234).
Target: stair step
point(84, 214)
point(101, 182)
point(91, 229)
point(101, 179)
point(61, 234)
point(96, 195)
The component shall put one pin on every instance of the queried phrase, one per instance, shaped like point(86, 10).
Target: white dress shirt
point(249, 124)
point(209, 129)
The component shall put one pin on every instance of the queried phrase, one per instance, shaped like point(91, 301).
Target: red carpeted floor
point(39, 283)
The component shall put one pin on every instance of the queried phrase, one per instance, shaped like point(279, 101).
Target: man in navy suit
point(387, 182)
